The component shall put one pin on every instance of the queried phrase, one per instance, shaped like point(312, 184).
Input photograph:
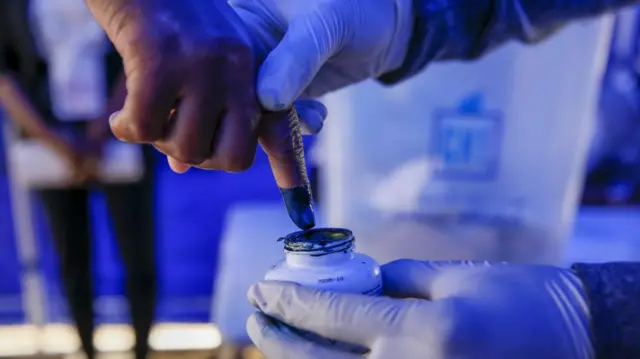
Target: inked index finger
point(281, 138)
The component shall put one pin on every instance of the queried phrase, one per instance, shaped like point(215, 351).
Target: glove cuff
point(442, 29)
point(613, 291)
point(397, 51)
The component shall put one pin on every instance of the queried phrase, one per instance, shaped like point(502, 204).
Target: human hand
point(192, 57)
point(318, 46)
point(433, 310)
point(82, 165)
point(190, 70)
point(86, 171)
point(307, 114)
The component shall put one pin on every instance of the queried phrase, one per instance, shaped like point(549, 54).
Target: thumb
point(350, 318)
point(280, 137)
point(308, 43)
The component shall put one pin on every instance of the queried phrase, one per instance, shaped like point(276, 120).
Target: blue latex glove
point(323, 45)
point(438, 311)
point(329, 44)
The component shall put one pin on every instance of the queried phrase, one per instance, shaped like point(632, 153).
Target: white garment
point(74, 46)
point(36, 166)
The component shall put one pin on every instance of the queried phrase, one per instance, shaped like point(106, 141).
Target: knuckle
point(187, 153)
point(250, 112)
point(236, 162)
point(220, 51)
point(205, 55)
point(239, 55)
point(140, 132)
point(122, 133)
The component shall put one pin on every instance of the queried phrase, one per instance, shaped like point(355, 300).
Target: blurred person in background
point(60, 79)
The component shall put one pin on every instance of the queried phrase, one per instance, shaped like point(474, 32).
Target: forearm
point(20, 110)
point(466, 29)
point(613, 291)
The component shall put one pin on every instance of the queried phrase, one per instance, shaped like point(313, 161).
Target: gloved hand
point(317, 46)
point(432, 310)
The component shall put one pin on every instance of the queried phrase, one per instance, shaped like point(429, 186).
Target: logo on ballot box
point(466, 141)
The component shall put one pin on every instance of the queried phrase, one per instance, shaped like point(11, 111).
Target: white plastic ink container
point(325, 258)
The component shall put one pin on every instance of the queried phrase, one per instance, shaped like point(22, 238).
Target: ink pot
point(325, 258)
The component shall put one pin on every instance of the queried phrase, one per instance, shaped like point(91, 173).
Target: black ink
point(298, 203)
point(319, 241)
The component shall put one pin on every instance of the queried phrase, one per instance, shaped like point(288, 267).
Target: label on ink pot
point(324, 258)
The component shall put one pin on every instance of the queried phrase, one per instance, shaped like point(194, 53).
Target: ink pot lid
point(319, 241)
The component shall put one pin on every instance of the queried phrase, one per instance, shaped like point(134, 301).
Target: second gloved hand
point(317, 46)
point(432, 310)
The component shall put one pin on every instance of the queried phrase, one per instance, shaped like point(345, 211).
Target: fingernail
point(176, 166)
point(299, 206)
point(269, 99)
point(113, 117)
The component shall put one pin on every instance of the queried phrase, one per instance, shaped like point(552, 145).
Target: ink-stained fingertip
point(299, 206)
